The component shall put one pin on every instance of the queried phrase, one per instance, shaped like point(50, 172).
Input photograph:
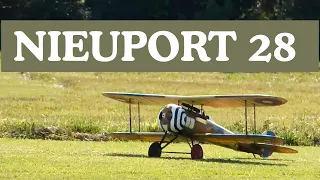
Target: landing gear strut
point(155, 149)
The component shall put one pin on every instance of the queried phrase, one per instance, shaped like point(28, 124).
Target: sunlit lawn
point(38, 159)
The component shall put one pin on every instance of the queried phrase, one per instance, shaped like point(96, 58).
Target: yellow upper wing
point(217, 101)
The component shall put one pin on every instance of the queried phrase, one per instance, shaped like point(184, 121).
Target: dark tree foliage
point(41, 9)
point(12, 9)
point(158, 9)
point(123, 9)
point(303, 9)
point(144, 9)
point(55, 10)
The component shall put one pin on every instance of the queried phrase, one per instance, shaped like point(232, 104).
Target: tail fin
point(265, 152)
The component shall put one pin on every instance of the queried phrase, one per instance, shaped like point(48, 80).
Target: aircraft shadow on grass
point(269, 159)
point(218, 160)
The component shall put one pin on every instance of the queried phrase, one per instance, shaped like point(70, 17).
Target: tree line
point(159, 9)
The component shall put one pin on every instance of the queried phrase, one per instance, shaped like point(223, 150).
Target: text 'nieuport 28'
point(181, 120)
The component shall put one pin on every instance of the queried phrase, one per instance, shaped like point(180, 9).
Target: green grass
point(38, 159)
point(59, 105)
point(31, 104)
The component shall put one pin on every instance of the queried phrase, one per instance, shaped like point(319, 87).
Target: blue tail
point(266, 153)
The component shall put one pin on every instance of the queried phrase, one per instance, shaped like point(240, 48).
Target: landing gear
point(196, 152)
point(154, 150)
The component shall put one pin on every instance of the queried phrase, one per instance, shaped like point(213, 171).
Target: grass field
point(60, 105)
point(38, 159)
point(73, 102)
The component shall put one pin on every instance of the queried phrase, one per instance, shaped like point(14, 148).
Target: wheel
point(154, 150)
point(196, 152)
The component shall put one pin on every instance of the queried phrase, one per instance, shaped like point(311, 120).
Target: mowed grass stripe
point(38, 159)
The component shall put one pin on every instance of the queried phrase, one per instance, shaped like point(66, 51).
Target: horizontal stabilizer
point(238, 138)
point(276, 148)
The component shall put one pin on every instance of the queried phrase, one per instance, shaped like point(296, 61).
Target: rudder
point(265, 152)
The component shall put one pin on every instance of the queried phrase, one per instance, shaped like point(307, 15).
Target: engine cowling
point(173, 118)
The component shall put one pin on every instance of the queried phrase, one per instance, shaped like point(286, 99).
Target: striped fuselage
point(176, 119)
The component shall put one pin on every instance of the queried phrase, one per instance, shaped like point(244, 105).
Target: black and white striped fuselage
point(173, 118)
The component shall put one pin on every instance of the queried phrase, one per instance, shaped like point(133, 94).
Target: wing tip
point(294, 151)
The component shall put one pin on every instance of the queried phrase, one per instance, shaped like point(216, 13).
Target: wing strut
point(246, 116)
point(254, 118)
point(139, 114)
point(130, 115)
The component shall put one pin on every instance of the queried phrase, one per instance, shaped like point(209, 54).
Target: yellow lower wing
point(140, 136)
point(204, 138)
point(226, 140)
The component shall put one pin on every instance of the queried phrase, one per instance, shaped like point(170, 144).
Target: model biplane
point(180, 119)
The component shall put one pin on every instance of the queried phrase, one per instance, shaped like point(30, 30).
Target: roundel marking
point(268, 101)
